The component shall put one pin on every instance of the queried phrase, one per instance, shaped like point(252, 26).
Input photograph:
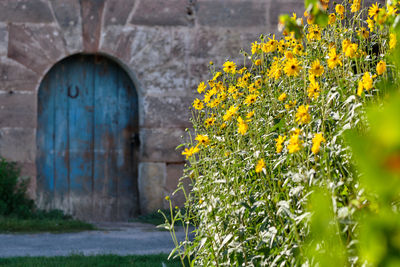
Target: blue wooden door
point(87, 123)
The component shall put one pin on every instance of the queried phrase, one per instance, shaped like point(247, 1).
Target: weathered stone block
point(34, 11)
point(117, 11)
point(231, 13)
point(285, 8)
point(18, 110)
point(152, 178)
point(16, 77)
point(18, 144)
point(92, 12)
point(67, 13)
point(174, 174)
point(162, 13)
point(36, 46)
point(3, 39)
point(209, 42)
point(157, 56)
point(158, 144)
point(166, 111)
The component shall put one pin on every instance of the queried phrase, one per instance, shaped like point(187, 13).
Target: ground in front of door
point(113, 238)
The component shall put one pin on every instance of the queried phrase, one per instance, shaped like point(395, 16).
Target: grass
point(37, 225)
point(99, 260)
point(155, 218)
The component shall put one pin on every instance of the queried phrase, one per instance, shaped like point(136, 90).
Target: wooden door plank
point(127, 127)
point(106, 175)
point(80, 119)
point(59, 85)
point(45, 139)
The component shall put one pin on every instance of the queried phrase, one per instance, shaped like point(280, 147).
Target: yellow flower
point(188, 152)
point(316, 68)
point(292, 67)
point(298, 50)
point(274, 72)
point(230, 67)
point(250, 99)
point(363, 33)
point(339, 9)
point(201, 88)
point(313, 90)
point(392, 40)
point(311, 77)
point(230, 113)
point(258, 83)
point(302, 115)
point(334, 59)
point(317, 140)
point(249, 115)
point(391, 10)
point(197, 104)
point(310, 18)
point(332, 18)
point(371, 24)
point(270, 46)
point(282, 97)
point(211, 63)
point(360, 88)
point(296, 131)
point(324, 4)
point(252, 87)
point(373, 11)
point(232, 89)
point(242, 70)
point(294, 144)
point(216, 76)
point(257, 62)
point(289, 55)
point(203, 140)
point(281, 46)
point(314, 32)
point(381, 67)
point(356, 6)
point(291, 104)
point(209, 122)
point(279, 143)
point(260, 165)
point(242, 126)
point(349, 49)
point(255, 47)
point(367, 81)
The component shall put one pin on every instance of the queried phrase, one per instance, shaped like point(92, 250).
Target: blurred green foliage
point(13, 199)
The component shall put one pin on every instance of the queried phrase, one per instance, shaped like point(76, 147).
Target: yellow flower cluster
point(281, 114)
point(278, 72)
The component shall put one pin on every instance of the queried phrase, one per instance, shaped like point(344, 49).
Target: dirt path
point(114, 238)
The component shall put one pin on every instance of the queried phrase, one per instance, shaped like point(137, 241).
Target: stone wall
point(164, 45)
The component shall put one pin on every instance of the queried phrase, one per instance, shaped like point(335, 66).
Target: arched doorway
point(87, 127)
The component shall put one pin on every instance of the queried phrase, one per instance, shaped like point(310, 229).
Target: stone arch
point(165, 46)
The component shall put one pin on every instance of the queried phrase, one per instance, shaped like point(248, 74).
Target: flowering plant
point(269, 132)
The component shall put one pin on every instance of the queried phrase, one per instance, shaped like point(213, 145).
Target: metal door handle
point(135, 139)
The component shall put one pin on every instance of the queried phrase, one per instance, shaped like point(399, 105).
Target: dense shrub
point(268, 134)
point(13, 199)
